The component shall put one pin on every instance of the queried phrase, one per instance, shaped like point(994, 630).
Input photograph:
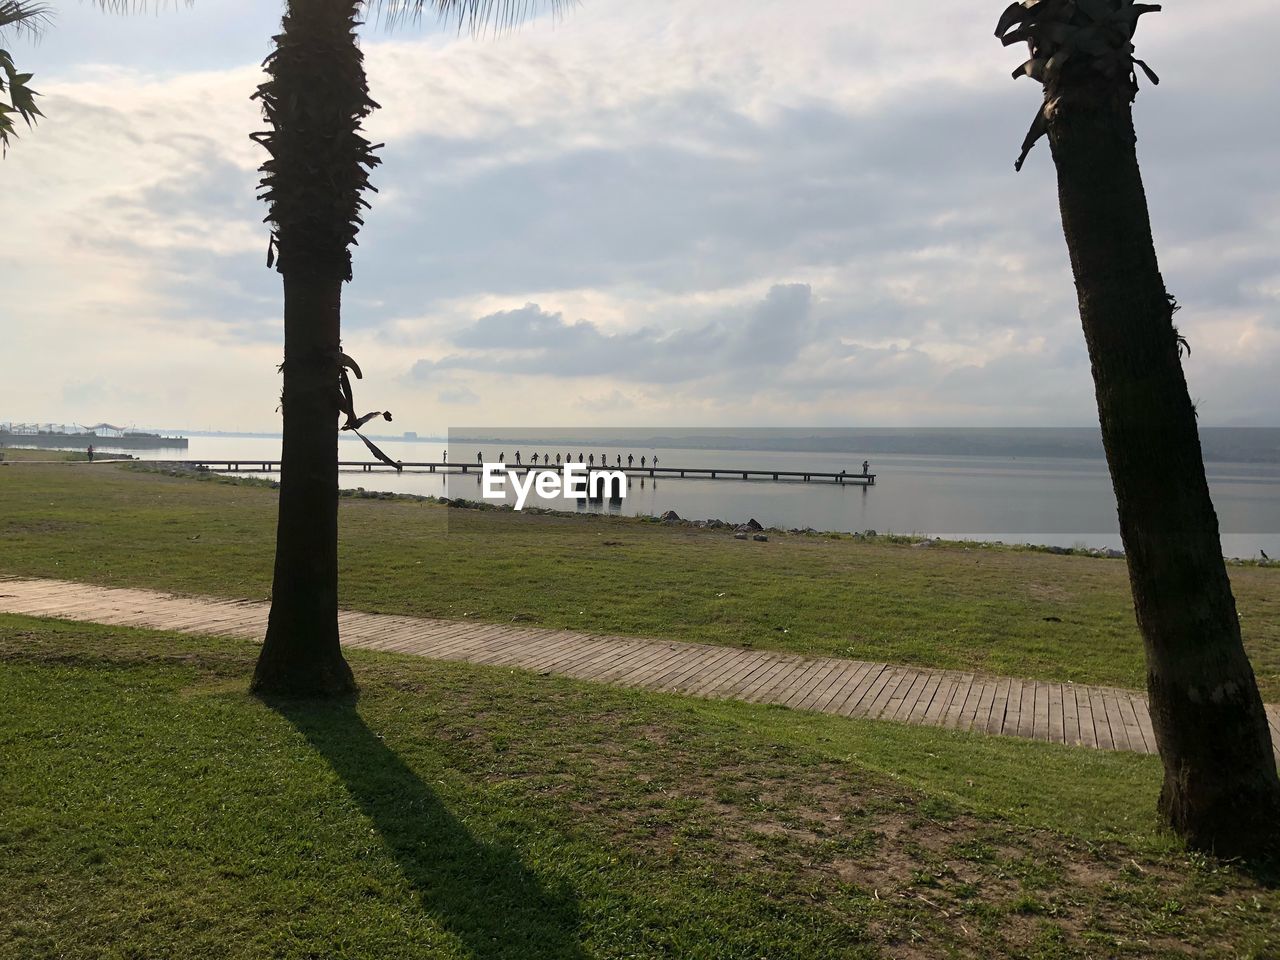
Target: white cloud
point(644, 174)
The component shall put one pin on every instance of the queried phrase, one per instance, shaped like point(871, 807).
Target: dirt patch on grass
point(925, 873)
point(1050, 592)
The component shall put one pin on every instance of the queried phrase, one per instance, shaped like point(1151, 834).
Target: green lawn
point(1006, 611)
point(150, 808)
point(24, 455)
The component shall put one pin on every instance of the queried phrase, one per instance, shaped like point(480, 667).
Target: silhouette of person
point(502, 456)
point(866, 467)
point(557, 459)
point(90, 452)
point(592, 459)
point(655, 461)
point(619, 459)
point(534, 459)
point(642, 463)
point(479, 456)
point(630, 460)
point(517, 458)
point(446, 455)
point(580, 460)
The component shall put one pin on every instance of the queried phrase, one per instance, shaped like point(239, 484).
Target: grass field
point(151, 808)
point(1005, 611)
point(24, 455)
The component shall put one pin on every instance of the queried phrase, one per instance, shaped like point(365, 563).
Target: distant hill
point(1220, 444)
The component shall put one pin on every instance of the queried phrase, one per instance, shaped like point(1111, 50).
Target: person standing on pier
point(479, 456)
point(619, 460)
point(502, 456)
point(444, 457)
point(557, 459)
point(642, 463)
point(866, 467)
point(630, 460)
point(592, 459)
point(534, 459)
point(517, 458)
point(580, 460)
point(655, 461)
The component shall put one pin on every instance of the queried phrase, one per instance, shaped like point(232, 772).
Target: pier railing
point(247, 465)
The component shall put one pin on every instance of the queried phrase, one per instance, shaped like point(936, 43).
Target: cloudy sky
point(734, 212)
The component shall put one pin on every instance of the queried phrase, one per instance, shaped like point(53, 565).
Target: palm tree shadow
point(480, 892)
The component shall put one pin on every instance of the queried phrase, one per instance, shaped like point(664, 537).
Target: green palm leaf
point(16, 95)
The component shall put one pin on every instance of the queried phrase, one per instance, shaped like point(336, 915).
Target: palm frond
point(16, 95)
point(140, 6)
point(24, 16)
point(471, 15)
point(1069, 41)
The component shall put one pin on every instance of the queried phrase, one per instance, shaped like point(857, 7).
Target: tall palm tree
point(16, 96)
point(1220, 789)
point(314, 102)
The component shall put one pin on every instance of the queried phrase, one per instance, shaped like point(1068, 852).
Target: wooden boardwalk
point(1104, 718)
point(252, 465)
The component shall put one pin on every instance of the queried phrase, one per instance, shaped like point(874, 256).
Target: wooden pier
point(247, 465)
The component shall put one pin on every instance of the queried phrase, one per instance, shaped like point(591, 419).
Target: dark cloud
point(532, 341)
point(809, 186)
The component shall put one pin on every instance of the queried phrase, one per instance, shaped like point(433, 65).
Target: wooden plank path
point(1104, 718)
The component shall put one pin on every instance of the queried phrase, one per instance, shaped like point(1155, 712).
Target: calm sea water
point(1045, 500)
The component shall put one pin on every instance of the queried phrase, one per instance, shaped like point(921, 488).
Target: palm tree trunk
point(1220, 788)
point(301, 655)
point(314, 100)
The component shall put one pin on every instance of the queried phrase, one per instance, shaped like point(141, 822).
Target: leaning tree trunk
point(1220, 788)
point(314, 101)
